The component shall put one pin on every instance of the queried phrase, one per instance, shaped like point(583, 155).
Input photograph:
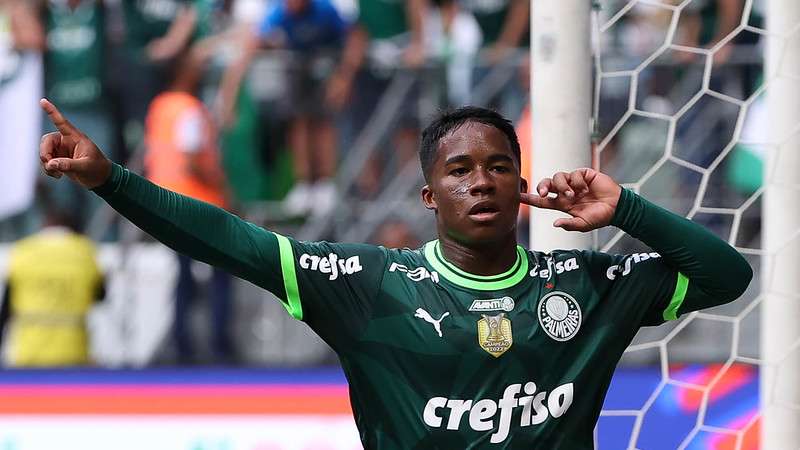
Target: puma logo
point(424, 315)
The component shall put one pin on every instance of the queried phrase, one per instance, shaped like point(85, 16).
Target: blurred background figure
point(183, 156)
point(21, 43)
point(396, 233)
point(75, 66)
point(707, 22)
point(383, 47)
point(314, 32)
point(504, 25)
point(452, 39)
point(146, 38)
point(53, 281)
point(251, 129)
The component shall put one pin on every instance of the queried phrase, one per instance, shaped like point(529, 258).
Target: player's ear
point(428, 198)
point(523, 185)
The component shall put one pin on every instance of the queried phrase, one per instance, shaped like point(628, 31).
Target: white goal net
point(696, 108)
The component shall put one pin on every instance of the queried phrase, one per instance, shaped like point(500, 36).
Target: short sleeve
point(331, 286)
point(644, 289)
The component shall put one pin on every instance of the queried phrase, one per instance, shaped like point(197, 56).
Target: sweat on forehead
point(451, 121)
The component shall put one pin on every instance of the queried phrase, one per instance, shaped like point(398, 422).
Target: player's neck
point(483, 259)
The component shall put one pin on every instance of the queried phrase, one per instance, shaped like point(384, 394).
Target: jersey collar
point(505, 280)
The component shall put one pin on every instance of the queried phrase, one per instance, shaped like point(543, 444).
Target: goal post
point(561, 102)
point(780, 309)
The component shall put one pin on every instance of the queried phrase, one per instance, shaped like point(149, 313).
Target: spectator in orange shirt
point(182, 155)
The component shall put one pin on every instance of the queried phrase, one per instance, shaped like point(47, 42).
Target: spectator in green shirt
point(386, 38)
point(504, 25)
point(74, 74)
point(154, 33)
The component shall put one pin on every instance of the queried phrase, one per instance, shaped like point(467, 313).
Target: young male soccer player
point(470, 341)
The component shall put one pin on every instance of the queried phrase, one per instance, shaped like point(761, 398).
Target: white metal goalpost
point(780, 309)
point(561, 103)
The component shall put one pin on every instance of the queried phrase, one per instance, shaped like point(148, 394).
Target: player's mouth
point(485, 211)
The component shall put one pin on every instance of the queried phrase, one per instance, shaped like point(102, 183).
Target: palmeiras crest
point(559, 315)
point(494, 334)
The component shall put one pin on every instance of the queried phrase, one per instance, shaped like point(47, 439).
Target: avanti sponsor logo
point(415, 274)
point(558, 267)
point(493, 304)
point(626, 266)
point(331, 264)
point(481, 414)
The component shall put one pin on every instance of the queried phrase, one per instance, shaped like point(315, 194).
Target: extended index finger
point(62, 124)
point(538, 202)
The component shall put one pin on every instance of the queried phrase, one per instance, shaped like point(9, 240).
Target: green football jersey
point(440, 358)
point(74, 57)
point(490, 15)
point(146, 20)
point(383, 19)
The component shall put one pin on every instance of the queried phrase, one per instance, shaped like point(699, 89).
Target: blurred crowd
point(262, 97)
point(306, 113)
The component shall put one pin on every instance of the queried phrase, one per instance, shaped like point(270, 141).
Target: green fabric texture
point(457, 276)
point(383, 19)
point(718, 273)
point(745, 169)
point(205, 19)
point(491, 24)
point(74, 58)
point(681, 285)
point(241, 160)
point(147, 20)
point(426, 356)
point(293, 305)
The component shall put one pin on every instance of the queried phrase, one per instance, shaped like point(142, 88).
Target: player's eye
point(459, 171)
point(501, 169)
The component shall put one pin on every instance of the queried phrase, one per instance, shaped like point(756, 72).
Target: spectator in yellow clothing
point(53, 282)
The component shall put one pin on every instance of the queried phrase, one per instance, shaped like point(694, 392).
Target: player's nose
point(482, 182)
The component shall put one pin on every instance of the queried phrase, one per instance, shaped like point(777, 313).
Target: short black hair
point(450, 120)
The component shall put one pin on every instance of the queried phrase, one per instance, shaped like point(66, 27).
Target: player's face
point(475, 185)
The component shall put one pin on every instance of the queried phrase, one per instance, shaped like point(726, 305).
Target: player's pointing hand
point(70, 152)
point(587, 195)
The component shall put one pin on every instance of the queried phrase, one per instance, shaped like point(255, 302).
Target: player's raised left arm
point(715, 272)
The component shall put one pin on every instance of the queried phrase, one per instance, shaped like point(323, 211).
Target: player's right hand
point(70, 152)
